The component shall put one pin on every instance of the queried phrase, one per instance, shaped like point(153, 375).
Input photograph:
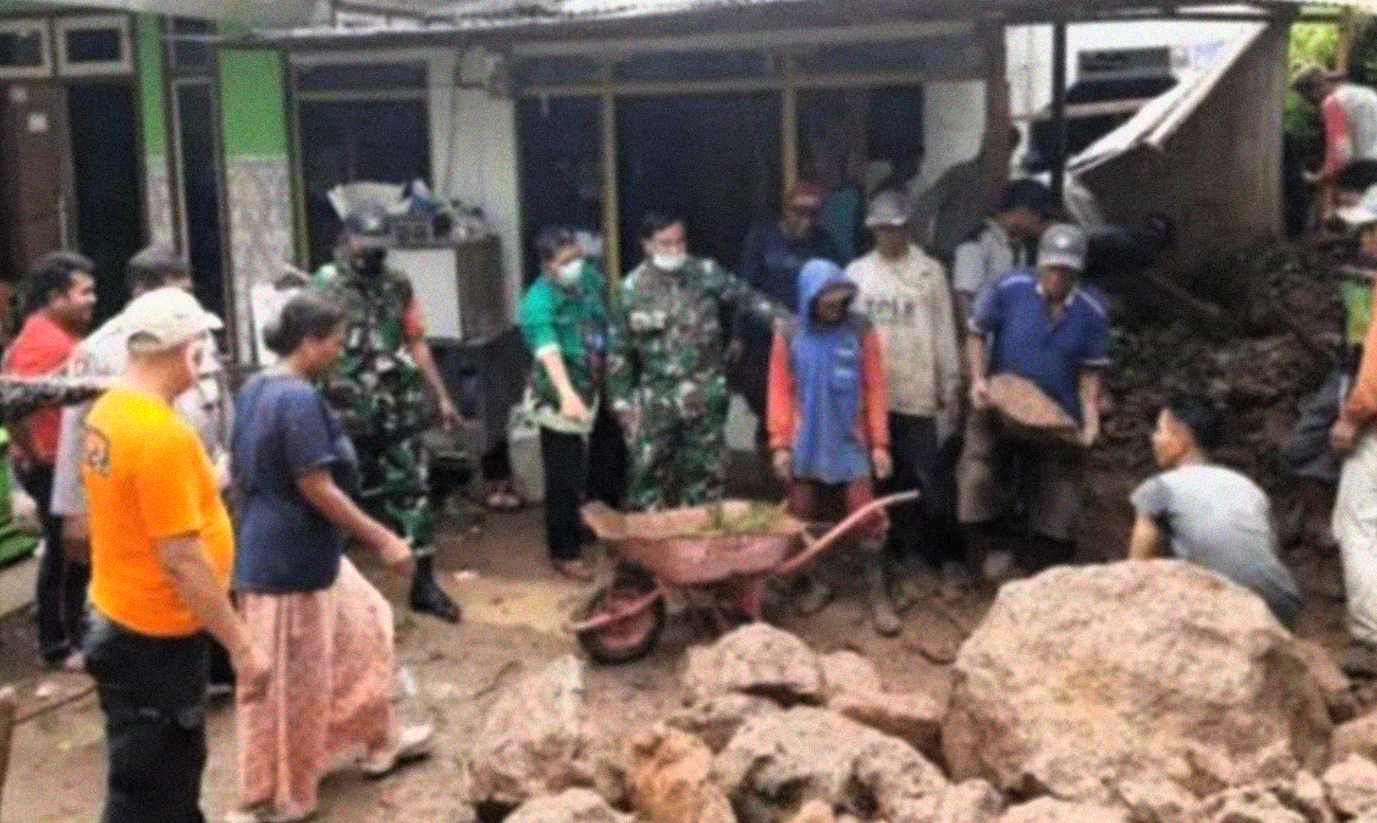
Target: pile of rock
point(1140, 692)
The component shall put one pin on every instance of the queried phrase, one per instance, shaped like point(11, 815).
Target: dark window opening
point(349, 142)
point(362, 77)
point(21, 49)
point(94, 45)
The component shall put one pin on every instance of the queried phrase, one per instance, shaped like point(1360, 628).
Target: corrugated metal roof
point(412, 19)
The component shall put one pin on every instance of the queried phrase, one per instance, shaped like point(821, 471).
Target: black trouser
point(153, 694)
point(925, 527)
point(575, 471)
point(60, 595)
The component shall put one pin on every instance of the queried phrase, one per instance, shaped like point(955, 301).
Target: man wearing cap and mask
point(385, 389)
point(1042, 326)
point(161, 551)
point(904, 293)
point(667, 368)
point(1349, 114)
point(771, 257)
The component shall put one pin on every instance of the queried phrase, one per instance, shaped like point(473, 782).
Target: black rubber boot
point(426, 595)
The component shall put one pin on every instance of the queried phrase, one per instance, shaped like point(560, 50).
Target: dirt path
point(514, 607)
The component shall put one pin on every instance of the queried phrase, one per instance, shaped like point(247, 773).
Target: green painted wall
point(253, 102)
point(152, 83)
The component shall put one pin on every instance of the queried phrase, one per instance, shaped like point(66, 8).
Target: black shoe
point(428, 598)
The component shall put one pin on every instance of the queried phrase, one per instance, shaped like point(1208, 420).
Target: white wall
point(955, 112)
point(472, 146)
point(474, 159)
point(1030, 51)
point(953, 123)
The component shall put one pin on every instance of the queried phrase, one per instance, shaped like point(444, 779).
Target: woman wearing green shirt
point(564, 319)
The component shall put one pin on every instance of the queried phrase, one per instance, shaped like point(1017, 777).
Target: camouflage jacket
point(670, 343)
point(377, 388)
point(22, 396)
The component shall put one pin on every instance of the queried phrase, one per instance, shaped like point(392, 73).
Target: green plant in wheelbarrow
point(731, 547)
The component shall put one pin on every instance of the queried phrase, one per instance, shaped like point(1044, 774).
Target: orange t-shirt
point(147, 479)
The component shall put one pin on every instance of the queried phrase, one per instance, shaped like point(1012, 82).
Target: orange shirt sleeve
point(166, 485)
point(413, 322)
point(875, 393)
point(1361, 405)
point(781, 413)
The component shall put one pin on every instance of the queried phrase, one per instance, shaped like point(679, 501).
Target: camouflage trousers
point(676, 460)
point(395, 487)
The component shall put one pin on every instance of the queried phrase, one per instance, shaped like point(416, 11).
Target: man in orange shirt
point(62, 297)
point(161, 551)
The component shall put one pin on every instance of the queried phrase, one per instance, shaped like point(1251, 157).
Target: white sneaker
point(413, 743)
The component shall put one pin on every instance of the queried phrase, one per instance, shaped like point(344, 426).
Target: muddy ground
point(514, 607)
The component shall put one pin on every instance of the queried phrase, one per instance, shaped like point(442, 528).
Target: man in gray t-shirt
point(1209, 515)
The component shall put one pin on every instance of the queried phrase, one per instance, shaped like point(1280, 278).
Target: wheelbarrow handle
point(815, 546)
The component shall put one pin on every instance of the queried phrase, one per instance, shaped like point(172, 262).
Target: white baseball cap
point(886, 209)
point(1361, 213)
point(1063, 244)
point(164, 319)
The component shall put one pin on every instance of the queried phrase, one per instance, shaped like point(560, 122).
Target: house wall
point(152, 84)
point(473, 147)
point(258, 190)
point(954, 121)
point(1219, 175)
point(474, 159)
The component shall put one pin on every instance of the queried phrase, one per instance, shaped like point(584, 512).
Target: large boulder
point(716, 719)
point(1081, 679)
point(974, 801)
point(913, 717)
point(1351, 786)
point(571, 806)
point(1337, 688)
point(779, 761)
point(671, 779)
point(1300, 802)
point(1048, 810)
point(848, 672)
point(1357, 736)
point(535, 740)
point(1248, 805)
point(755, 659)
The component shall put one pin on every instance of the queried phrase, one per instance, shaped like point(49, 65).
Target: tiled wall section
point(260, 228)
point(159, 199)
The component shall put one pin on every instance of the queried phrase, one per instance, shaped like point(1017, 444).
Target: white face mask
point(669, 262)
point(568, 274)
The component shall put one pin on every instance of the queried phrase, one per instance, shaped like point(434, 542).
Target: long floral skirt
point(329, 693)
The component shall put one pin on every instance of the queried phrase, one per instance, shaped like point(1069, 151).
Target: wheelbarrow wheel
point(631, 637)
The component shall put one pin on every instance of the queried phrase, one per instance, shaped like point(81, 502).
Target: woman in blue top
point(326, 629)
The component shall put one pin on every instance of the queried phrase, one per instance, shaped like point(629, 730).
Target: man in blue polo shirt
point(1039, 325)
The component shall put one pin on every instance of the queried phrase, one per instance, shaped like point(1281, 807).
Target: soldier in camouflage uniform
point(667, 375)
point(386, 389)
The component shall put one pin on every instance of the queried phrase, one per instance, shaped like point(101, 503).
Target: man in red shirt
point(62, 298)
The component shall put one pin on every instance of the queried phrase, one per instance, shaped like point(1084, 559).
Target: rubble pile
point(1201, 709)
point(1261, 336)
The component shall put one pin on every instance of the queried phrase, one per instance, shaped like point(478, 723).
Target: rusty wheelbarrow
point(658, 552)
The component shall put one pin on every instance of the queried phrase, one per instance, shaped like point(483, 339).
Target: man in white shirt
point(104, 353)
point(904, 293)
point(1007, 242)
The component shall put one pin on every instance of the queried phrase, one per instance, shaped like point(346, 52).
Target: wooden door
point(34, 193)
